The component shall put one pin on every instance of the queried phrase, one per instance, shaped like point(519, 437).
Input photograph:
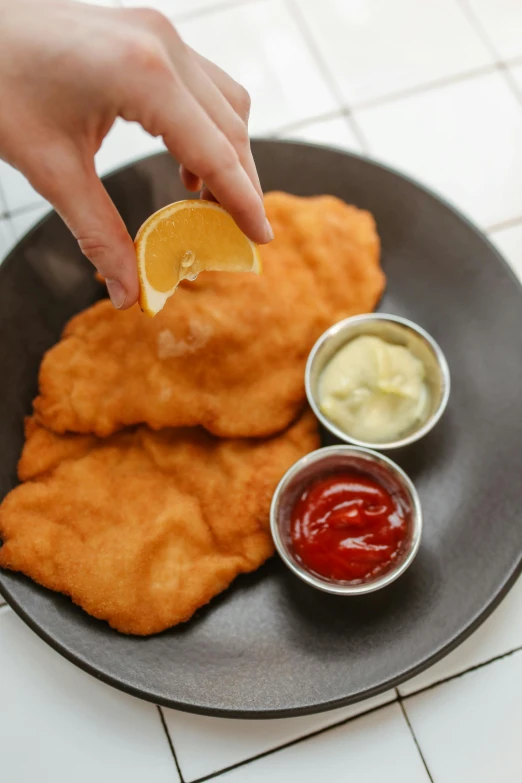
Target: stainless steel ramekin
point(324, 462)
point(395, 330)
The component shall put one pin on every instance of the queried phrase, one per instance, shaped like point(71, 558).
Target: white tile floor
point(434, 88)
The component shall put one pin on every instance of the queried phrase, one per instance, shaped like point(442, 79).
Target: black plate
point(272, 646)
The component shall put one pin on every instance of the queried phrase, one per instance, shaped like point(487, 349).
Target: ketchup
point(348, 527)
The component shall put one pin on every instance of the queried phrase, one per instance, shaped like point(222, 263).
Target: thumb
point(85, 206)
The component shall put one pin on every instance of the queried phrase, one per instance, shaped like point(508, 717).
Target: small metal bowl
point(398, 331)
point(325, 462)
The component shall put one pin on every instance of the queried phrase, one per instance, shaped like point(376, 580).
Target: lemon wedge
point(183, 239)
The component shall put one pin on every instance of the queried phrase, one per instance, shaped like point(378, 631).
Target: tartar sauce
point(373, 390)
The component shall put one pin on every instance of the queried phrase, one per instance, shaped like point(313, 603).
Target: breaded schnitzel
point(142, 528)
point(228, 351)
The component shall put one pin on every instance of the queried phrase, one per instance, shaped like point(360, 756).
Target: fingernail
point(269, 231)
point(116, 291)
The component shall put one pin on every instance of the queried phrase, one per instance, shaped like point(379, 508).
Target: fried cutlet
point(228, 351)
point(142, 528)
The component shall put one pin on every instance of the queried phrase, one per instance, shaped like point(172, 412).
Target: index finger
point(239, 99)
point(197, 143)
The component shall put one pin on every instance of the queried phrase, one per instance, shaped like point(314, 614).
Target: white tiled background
point(433, 87)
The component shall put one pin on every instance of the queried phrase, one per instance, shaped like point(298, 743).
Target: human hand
point(68, 70)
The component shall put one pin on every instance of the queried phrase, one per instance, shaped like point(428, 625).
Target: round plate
point(271, 646)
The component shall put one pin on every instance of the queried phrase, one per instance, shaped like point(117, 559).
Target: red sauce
point(348, 527)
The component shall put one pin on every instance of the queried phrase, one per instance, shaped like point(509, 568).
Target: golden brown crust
point(228, 351)
point(142, 528)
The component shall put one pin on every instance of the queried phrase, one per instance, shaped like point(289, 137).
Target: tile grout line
point(350, 112)
point(7, 213)
point(25, 210)
point(513, 62)
point(357, 132)
point(3, 201)
point(399, 698)
point(488, 42)
point(513, 85)
point(171, 744)
point(503, 225)
point(496, 65)
point(299, 124)
point(410, 727)
point(479, 29)
point(461, 674)
point(314, 50)
point(336, 114)
point(323, 69)
point(188, 16)
point(436, 84)
point(296, 741)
